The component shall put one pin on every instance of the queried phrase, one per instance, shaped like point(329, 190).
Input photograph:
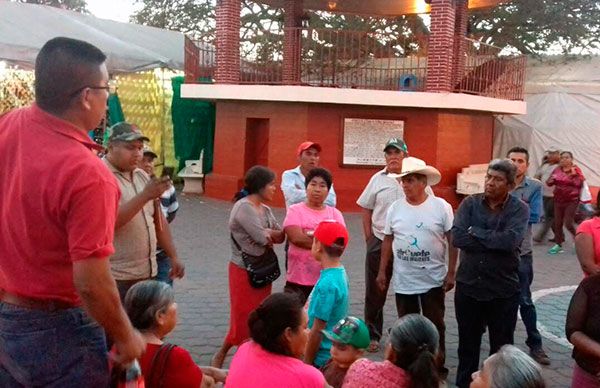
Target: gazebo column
point(440, 54)
point(228, 41)
point(460, 44)
point(292, 20)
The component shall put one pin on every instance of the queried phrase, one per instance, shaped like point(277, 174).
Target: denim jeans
point(164, 267)
point(63, 348)
point(526, 306)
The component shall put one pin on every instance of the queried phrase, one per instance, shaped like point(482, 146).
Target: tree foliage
point(73, 5)
point(540, 26)
point(192, 17)
point(528, 26)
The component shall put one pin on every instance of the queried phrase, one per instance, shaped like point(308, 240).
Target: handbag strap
point(235, 242)
point(158, 366)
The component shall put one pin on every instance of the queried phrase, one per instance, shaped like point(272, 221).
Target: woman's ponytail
point(423, 370)
point(414, 341)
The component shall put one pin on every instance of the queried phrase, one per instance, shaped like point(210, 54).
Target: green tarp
point(193, 128)
point(115, 114)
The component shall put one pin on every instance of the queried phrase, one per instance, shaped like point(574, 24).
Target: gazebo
point(350, 91)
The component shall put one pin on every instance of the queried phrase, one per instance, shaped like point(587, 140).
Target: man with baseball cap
point(381, 191)
point(140, 224)
point(292, 181)
point(417, 236)
point(169, 206)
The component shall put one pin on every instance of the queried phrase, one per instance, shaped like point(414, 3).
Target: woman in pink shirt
point(587, 243)
point(278, 328)
point(300, 222)
point(409, 358)
point(567, 180)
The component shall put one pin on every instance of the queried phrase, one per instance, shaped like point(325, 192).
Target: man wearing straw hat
point(417, 235)
point(377, 197)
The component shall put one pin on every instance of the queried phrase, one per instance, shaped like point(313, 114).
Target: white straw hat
point(412, 165)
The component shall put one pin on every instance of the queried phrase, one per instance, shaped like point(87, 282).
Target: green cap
point(396, 143)
point(125, 132)
point(350, 330)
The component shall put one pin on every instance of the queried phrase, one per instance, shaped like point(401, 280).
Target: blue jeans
point(63, 348)
point(526, 306)
point(163, 268)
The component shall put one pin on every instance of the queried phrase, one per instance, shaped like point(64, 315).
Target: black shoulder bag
point(262, 270)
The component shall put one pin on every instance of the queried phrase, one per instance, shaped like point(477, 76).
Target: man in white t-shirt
point(377, 197)
point(417, 233)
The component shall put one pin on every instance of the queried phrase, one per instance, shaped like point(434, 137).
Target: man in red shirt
point(58, 208)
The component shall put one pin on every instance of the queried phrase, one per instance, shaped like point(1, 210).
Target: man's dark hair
point(270, 319)
point(319, 172)
point(505, 166)
point(568, 153)
point(519, 150)
point(62, 67)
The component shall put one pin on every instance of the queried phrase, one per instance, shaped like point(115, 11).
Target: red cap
point(306, 145)
point(330, 230)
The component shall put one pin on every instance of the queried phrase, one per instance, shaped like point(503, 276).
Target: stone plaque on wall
point(364, 139)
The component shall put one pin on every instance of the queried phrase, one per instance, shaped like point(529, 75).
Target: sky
point(118, 10)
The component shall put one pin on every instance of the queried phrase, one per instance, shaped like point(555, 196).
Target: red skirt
point(243, 299)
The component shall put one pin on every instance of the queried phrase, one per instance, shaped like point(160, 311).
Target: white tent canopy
point(563, 111)
point(24, 28)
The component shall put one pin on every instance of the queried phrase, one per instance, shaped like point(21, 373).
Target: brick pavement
point(201, 235)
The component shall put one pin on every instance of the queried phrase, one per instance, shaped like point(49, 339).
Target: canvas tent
point(24, 28)
point(563, 110)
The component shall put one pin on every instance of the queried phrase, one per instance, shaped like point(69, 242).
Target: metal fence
point(199, 61)
point(361, 60)
point(490, 72)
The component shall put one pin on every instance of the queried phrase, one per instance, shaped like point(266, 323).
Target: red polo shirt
point(58, 204)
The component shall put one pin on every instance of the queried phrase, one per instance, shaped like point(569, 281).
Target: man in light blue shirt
point(528, 190)
point(292, 181)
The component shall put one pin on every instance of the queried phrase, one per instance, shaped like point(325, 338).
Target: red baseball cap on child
point(330, 230)
point(306, 145)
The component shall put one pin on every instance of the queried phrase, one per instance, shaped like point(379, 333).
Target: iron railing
point(199, 61)
point(490, 72)
point(342, 59)
point(362, 60)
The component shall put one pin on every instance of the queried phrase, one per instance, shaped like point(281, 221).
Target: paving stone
point(202, 239)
